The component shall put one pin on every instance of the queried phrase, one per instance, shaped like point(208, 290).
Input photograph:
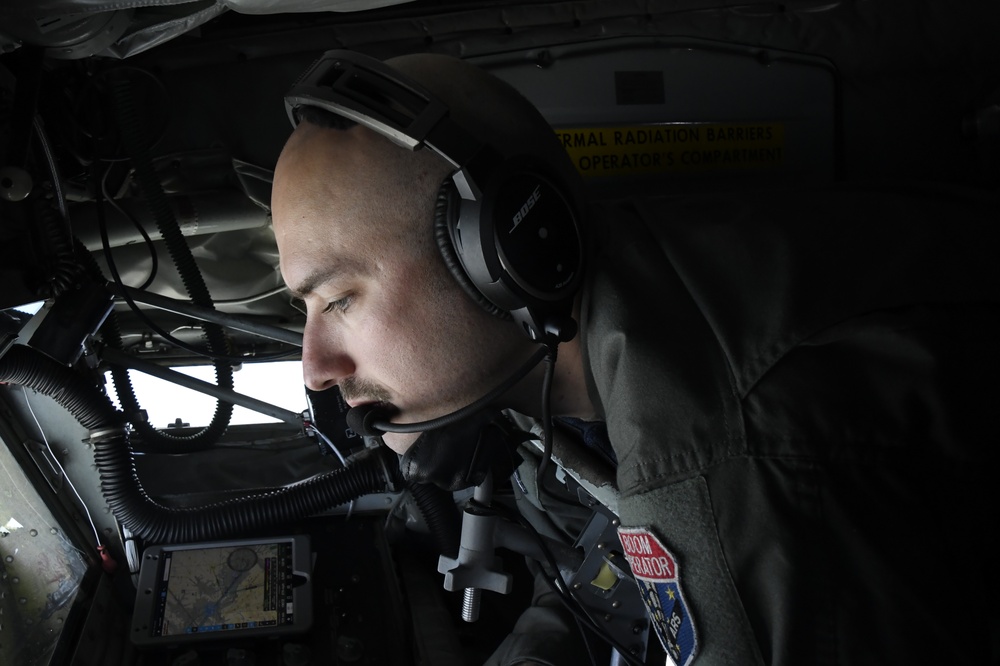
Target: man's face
point(384, 321)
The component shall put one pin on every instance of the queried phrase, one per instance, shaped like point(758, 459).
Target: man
point(796, 385)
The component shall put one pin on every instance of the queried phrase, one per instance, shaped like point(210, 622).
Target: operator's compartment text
point(618, 151)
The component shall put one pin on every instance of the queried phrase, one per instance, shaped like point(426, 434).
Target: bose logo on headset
point(526, 208)
point(531, 278)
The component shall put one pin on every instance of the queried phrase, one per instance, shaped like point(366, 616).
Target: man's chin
point(400, 442)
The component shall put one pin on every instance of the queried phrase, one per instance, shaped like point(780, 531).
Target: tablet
point(239, 590)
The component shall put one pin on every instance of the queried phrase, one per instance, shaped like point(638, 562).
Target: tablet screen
point(212, 590)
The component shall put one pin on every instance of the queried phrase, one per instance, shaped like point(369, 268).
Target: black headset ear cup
point(446, 210)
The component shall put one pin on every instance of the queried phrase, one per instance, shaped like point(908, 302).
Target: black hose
point(133, 137)
point(372, 470)
point(442, 517)
point(160, 524)
point(81, 397)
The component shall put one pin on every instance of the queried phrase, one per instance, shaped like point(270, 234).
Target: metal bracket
point(46, 463)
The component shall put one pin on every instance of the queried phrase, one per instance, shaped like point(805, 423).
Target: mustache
point(355, 389)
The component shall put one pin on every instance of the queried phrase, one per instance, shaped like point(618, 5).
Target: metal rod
point(472, 596)
point(128, 361)
point(207, 314)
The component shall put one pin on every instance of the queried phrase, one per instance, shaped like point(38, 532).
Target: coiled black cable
point(63, 271)
point(135, 145)
point(53, 220)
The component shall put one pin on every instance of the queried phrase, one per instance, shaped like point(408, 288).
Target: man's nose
point(325, 362)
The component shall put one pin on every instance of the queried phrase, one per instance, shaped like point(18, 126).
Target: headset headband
point(371, 93)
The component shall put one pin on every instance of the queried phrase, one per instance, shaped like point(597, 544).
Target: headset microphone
point(362, 419)
point(372, 420)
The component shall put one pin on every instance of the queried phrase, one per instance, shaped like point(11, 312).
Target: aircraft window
point(168, 405)
point(41, 570)
point(30, 308)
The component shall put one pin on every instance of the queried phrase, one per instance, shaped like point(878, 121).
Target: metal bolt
point(471, 600)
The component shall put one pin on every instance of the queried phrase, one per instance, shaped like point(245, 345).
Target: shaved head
point(368, 178)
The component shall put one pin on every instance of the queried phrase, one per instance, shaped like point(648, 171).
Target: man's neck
point(569, 385)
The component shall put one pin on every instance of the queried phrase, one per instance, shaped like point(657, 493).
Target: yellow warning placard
point(684, 147)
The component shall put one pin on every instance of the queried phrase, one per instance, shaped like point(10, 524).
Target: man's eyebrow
point(323, 275)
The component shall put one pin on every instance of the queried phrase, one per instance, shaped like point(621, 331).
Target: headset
point(505, 228)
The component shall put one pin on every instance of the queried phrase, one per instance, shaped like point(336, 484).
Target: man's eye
point(340, 305)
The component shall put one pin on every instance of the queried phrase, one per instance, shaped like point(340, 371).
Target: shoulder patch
point(656, 572)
